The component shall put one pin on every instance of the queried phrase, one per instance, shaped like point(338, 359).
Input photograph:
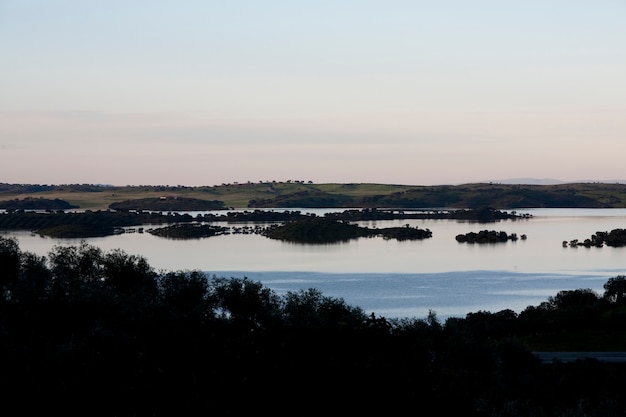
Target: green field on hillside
point(308, 195)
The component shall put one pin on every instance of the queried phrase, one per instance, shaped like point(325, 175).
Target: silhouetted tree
point(72, 266)
point(244, 301)
point(574, 299)
point(310, 309)
point(10, 258)
point(615, 289)
point(83, 326)
point(185, 294)
point(128, 274)
point(34, 279)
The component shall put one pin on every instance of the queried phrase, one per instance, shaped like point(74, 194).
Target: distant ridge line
point(551, 181)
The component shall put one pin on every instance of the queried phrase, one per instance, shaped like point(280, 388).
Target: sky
point(195, 93)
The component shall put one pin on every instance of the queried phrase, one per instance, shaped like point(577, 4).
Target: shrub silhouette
point(84, 331)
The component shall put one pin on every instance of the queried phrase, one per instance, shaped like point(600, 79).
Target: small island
point(487, 236)
point(615, 238)
point(314, 229)
point(188, 231)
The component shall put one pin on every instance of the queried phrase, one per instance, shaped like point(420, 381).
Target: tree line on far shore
point(298, 194)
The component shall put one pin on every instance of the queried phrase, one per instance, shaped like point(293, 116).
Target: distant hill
point(497, 194)
point(529, 181)
point(551, 181)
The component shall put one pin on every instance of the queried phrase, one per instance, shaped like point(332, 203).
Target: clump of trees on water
point(316, 230)
point(84, 331)
point(614, 238)
point(189, 231)
point(487, 236)
point(262, 216)
point(313, 229)
point(479, 215)
point(405, 233)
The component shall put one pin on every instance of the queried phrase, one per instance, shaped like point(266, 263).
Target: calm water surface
point(402, 279)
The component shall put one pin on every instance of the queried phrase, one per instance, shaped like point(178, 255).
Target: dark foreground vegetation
point(87, 332)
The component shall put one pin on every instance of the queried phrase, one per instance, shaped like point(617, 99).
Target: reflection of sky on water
point(413, 295)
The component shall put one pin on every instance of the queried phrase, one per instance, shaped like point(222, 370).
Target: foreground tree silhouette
point(615, 289)
point(10, 255)
point(245, 302)
point(84, 331)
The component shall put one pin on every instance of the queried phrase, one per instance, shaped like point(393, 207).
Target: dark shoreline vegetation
point(287, 225)
point(292, 226)
point(82, 327)
point(73, 224)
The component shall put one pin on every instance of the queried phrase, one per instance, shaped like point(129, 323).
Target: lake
point(401, 279)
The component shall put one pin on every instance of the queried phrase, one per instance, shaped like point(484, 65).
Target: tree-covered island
point(487, 236)
point(615, 238)
point(313, 229)
point(188, 231)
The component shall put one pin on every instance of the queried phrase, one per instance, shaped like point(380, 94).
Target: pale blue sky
point(411, 92)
